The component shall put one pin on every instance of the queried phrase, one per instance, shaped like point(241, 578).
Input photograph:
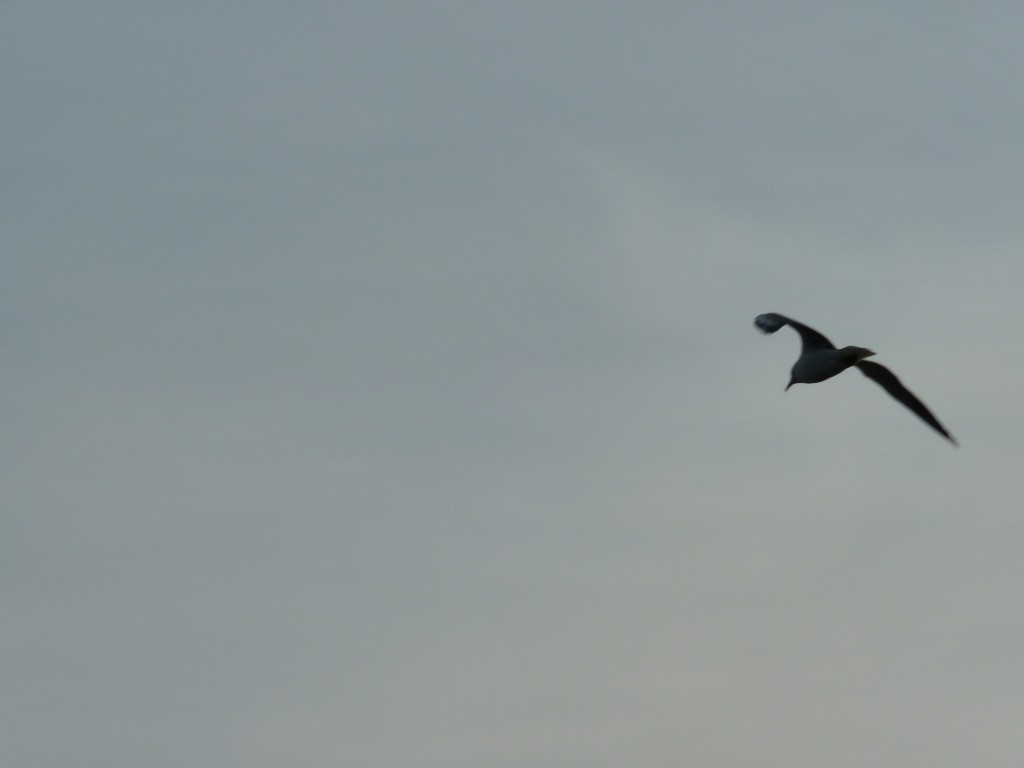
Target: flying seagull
point(820, 360)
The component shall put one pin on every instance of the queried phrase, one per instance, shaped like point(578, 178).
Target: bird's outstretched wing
point(888, 381)
point(812, 340)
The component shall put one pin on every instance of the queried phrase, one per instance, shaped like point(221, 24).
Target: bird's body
point(821, 364)
point(820, 360)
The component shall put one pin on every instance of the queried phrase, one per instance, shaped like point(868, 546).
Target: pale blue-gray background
point(380, 386)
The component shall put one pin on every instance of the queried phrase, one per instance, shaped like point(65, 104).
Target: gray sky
point(381, 389)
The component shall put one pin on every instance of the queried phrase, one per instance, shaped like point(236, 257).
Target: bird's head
point(855, 354)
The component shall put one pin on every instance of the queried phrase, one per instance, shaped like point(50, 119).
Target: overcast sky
point(381, 391)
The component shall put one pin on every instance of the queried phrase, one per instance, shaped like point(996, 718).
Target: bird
point(820, 360)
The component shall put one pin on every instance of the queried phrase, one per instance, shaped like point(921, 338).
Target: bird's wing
point(812, 340)
point(888, 381)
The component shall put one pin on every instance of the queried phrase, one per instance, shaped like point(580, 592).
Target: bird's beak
point(791, 383)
